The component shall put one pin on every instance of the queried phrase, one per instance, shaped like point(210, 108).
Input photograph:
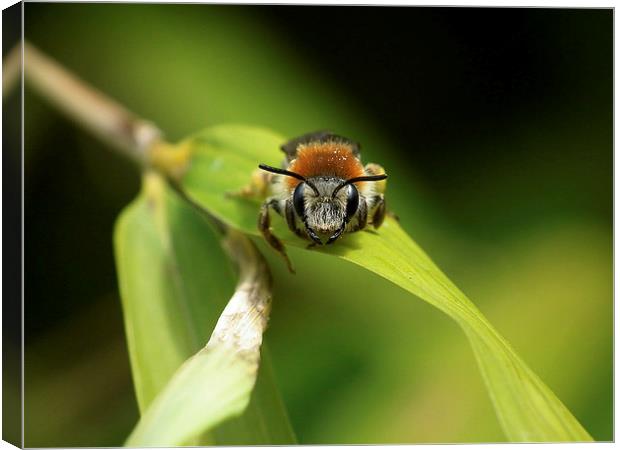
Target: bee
point(323, 191)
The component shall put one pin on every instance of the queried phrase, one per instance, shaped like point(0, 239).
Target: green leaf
point(222, 161)
point(210, 387)
point(264, 421)
point(171, 297)
point(175, 280)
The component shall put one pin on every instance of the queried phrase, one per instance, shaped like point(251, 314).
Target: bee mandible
point(322, 191)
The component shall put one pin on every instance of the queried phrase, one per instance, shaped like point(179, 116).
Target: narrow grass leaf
point(175, 280)
point(208, 388)
point(222, 161)
point(215, 383)
point(264, 421)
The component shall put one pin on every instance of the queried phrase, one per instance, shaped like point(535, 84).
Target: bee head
point(325, 204)
point(323, 210)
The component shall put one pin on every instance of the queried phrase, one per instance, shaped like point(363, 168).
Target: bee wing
point(290, 148)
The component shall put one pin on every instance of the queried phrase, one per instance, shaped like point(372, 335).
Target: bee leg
point(379, 214)
point(289, 213)
point(257, 188)
point(376, 169)
point(264, 223)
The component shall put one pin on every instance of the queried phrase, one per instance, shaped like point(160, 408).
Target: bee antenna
point(356, 179)
point(288, 173)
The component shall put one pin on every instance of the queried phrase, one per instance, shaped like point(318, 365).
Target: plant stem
point(94, 110)
point(141, 141)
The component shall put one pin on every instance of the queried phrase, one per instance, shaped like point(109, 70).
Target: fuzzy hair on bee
point(322, 190)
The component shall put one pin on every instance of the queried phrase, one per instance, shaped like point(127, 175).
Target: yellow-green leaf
point(210, 387)
point(222, 160)
point(216, 382)
point(175, 280)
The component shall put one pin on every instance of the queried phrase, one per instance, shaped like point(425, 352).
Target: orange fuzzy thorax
point(325, 159)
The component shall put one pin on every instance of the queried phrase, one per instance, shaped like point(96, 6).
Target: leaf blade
point(175, 280)
point(181, 412)
point(528, 410)
point(223, 159)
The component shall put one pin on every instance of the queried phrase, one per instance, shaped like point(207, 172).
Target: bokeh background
point(496, 128)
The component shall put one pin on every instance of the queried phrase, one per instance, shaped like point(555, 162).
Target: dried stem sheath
point(245, 317)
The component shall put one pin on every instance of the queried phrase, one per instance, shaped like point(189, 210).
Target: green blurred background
point(495, 126)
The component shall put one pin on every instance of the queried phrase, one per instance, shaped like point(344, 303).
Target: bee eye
point(353, 200)
point(298, 200)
